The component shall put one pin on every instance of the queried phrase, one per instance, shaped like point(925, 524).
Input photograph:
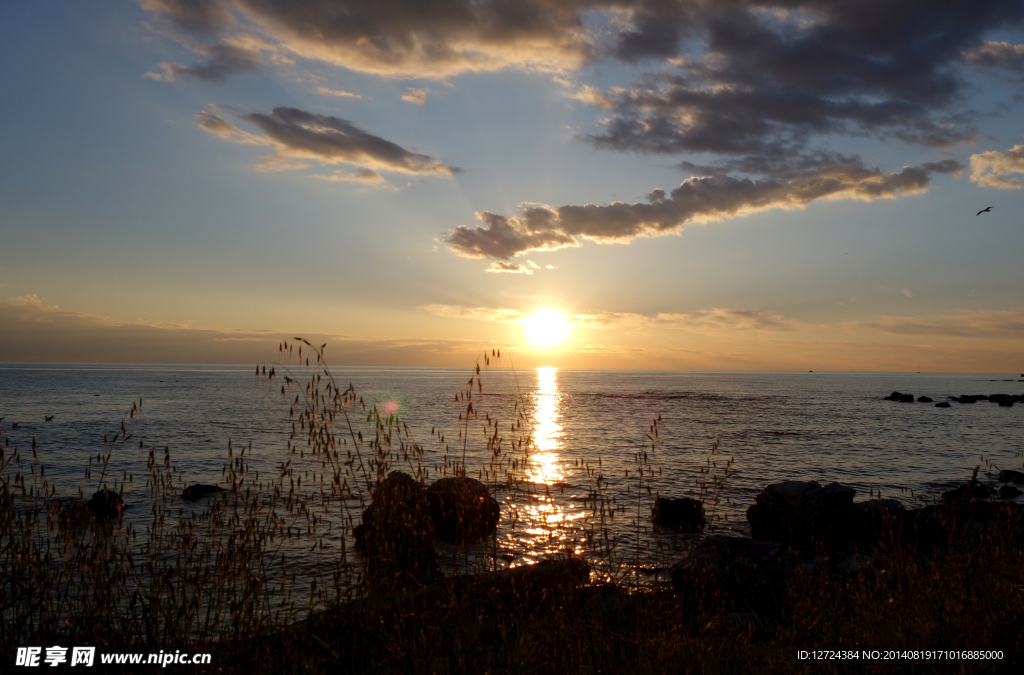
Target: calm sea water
point(774, 426)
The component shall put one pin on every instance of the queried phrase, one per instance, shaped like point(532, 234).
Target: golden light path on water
point(549, 525)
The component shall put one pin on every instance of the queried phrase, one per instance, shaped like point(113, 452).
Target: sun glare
point(546, 327)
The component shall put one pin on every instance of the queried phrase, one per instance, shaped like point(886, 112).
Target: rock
point(971, 490)
point(854, 563)
point(981, 397)
point(895, 396)
point(397, 533)
point(1011, 476)
point(106, 503)
point(868, 523)
point(1006, 404)
point(942, 404)
point(462, 509)
point(198, 491)
point(1009, 492)
point(74, 514)
point(923, 399)
point(798, 511)
point(683, 514)
point(999, 398)
point(907, 398)
point(964, 398)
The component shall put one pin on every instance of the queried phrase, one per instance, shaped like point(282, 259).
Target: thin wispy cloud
point(336, 92)
point(223, 61)
point(297, 135)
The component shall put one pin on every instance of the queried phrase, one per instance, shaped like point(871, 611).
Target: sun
point(546, 327)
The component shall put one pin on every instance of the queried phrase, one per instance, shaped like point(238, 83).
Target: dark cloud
point(697, 199)
point(298, 135)
point(765, 78)
point(433, 38)
point(201, 16)
point(223, 60)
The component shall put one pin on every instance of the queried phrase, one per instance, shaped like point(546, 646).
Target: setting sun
point(546, 327)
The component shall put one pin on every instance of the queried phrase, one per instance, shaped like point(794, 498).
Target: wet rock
point(1006, 404)
point(686, 515)
point(1011, 476)
point(942, 404)
point(999, 398)
point(198, 491)
point(964, 398)
point(397, 532)
point(895, 396)
point(923, 399)
point(106, 504)
point(971, 490)
point(462, 510)
point(1009, 492)
point(798, 511)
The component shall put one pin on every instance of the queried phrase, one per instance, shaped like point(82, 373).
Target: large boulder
point(686, 515)
point(799, 511)
point(1011, 476)
point(106, 503)
point(397, 533)
point(462, 510)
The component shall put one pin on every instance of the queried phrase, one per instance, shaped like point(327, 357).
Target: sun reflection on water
point(549, 526)
point(547, 432)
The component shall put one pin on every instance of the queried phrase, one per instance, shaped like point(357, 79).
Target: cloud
point(361, 176)
point(715, 319)
point(991, 324)
point(990, 168)
point(997, 55)
point(417, 96)
point(299, 135)
point(510, 268)
point(697, 199)
point(222, 61)
point(907, 292)
point(767, 78)
point(37, 333)
point(336, 92)
point(403, 38)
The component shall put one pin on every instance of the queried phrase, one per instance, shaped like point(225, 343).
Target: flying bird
point(49, 418)
point(982, 211)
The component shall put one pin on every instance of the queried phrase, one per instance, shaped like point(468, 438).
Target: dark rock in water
point(546, 578)
point(397, 533)
point(964, 398)
point(679, 514)
point(1006, 404)
point(971, 490)
point(998, 398)
point(923, 399)
point(907, 398)
point(798, 511)
point(198, 491)
point(981, 397)
point(953, 398)
point(1011, 476)
point(1009, 492)
point(943, 404)
point(895, 396)
point(462, 509)
point(106, 503)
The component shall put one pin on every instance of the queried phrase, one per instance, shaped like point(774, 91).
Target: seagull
point(982, 211)
point(49, 418)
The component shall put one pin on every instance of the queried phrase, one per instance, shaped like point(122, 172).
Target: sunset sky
point(778, 185)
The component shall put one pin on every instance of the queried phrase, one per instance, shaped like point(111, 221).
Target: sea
point(627, 436)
